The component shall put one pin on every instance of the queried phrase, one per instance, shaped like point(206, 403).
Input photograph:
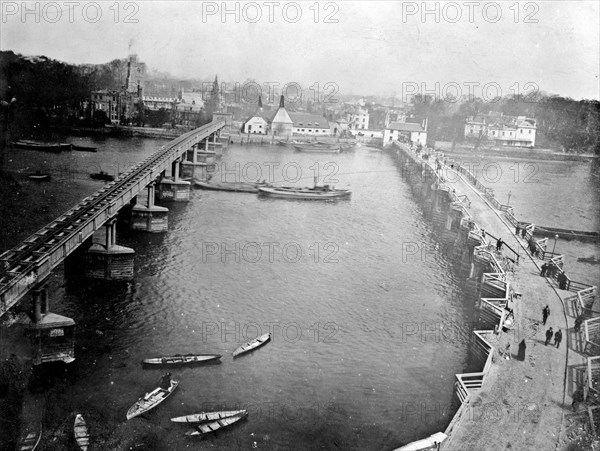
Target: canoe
point(102, 176)
point(252, 344)
point(238, 187)
point(41, 146)
point(39, 177)
point(82, 437)
point(151, 400)
point(182, 359)
point(318, 193)
point(207, 416)
point(426, 443)
point(213, 426)
point(30, 438)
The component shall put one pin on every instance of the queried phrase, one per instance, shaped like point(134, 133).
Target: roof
point(309, 120)
point(405, 127)
point(281, 116)
point(265, 115)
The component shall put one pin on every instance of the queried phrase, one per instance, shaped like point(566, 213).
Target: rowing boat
point(30, 438)
point(430, 442)
point(151, 400)
point(316, 193)
point(178, 359)
point(84, 148)
point(213, 426)
point(252, 344)
point(207, 416)
point(39, 177)
point(82, 437)
point(102, 176)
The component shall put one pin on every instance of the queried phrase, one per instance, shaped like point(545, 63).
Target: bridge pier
point(52, 335)
point(174, 189)
point(149, 218)
point(198, 163)
point(109, 261)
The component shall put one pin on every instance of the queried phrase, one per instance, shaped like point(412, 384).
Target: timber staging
point(523, 402)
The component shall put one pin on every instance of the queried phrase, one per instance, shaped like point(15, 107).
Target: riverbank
point(523, 404)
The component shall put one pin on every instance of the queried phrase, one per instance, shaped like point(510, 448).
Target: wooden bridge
point(25, 266)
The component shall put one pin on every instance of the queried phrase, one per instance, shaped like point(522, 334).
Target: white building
point(309, 124)
point(358, 119)
point(514, 131)
point(258, 123)
point(405, 132)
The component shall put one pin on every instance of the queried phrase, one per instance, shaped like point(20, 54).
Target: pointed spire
point(260, 102)
point(281, 105)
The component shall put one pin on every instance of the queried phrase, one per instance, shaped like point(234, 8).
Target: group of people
point(550, 269)
point(549, 333)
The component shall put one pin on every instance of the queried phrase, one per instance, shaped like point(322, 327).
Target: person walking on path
point(549, 334)
point(544, 269)
point(522, 348)
point(499, 244)
point(545, 314)
point(557, 338)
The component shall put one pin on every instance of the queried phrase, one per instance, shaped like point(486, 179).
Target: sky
point(382, 48)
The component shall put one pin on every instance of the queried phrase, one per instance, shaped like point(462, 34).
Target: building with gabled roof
point(309, 124)
point(514, 131)
point(281, 123)
point(406, 132)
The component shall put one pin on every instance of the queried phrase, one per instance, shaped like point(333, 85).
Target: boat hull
point(304, 194)
point(240, 187)
point(151, 400)
point(182, 359)
point(213, 426)
point(30, 438)
point(207, 416)
point(317, 149)
point(42, 147)
point(80, 430)
point(252, 345)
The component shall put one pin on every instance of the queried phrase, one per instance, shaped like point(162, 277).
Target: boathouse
point(407, 132)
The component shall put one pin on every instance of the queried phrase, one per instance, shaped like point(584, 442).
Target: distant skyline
point(375, 48)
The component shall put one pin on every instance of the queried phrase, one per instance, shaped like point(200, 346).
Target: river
point(367, 337)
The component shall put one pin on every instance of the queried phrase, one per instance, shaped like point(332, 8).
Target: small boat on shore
point(207, 416)
point(102, 176)
point(252, 344)
point(39, 176)
point(151, 400)
point(84, 148)
point(430, 442)
point(178, 359)
point(41, 146)
point(80, 430)
point(315, 193)
point(30, 438)
point(372, 149)
point(238, 187)
point(213, 426)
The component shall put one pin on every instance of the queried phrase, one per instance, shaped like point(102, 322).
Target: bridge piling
point(109, 261)
point(149, 218)
point(174, 189)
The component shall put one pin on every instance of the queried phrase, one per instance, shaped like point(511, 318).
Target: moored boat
point(178, 359)
point(151, 400)
point(39, 176)
point(207, 416)
point(252, 344)
point(238, 187)
point(317, 148)
point(316, 193)
point(430, 442)
point(30, 438)
point(102, 176)
point(80, 430)
point(213, 426)
point(41, 146)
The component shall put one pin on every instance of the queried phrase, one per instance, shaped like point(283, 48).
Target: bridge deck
point(31, 261)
